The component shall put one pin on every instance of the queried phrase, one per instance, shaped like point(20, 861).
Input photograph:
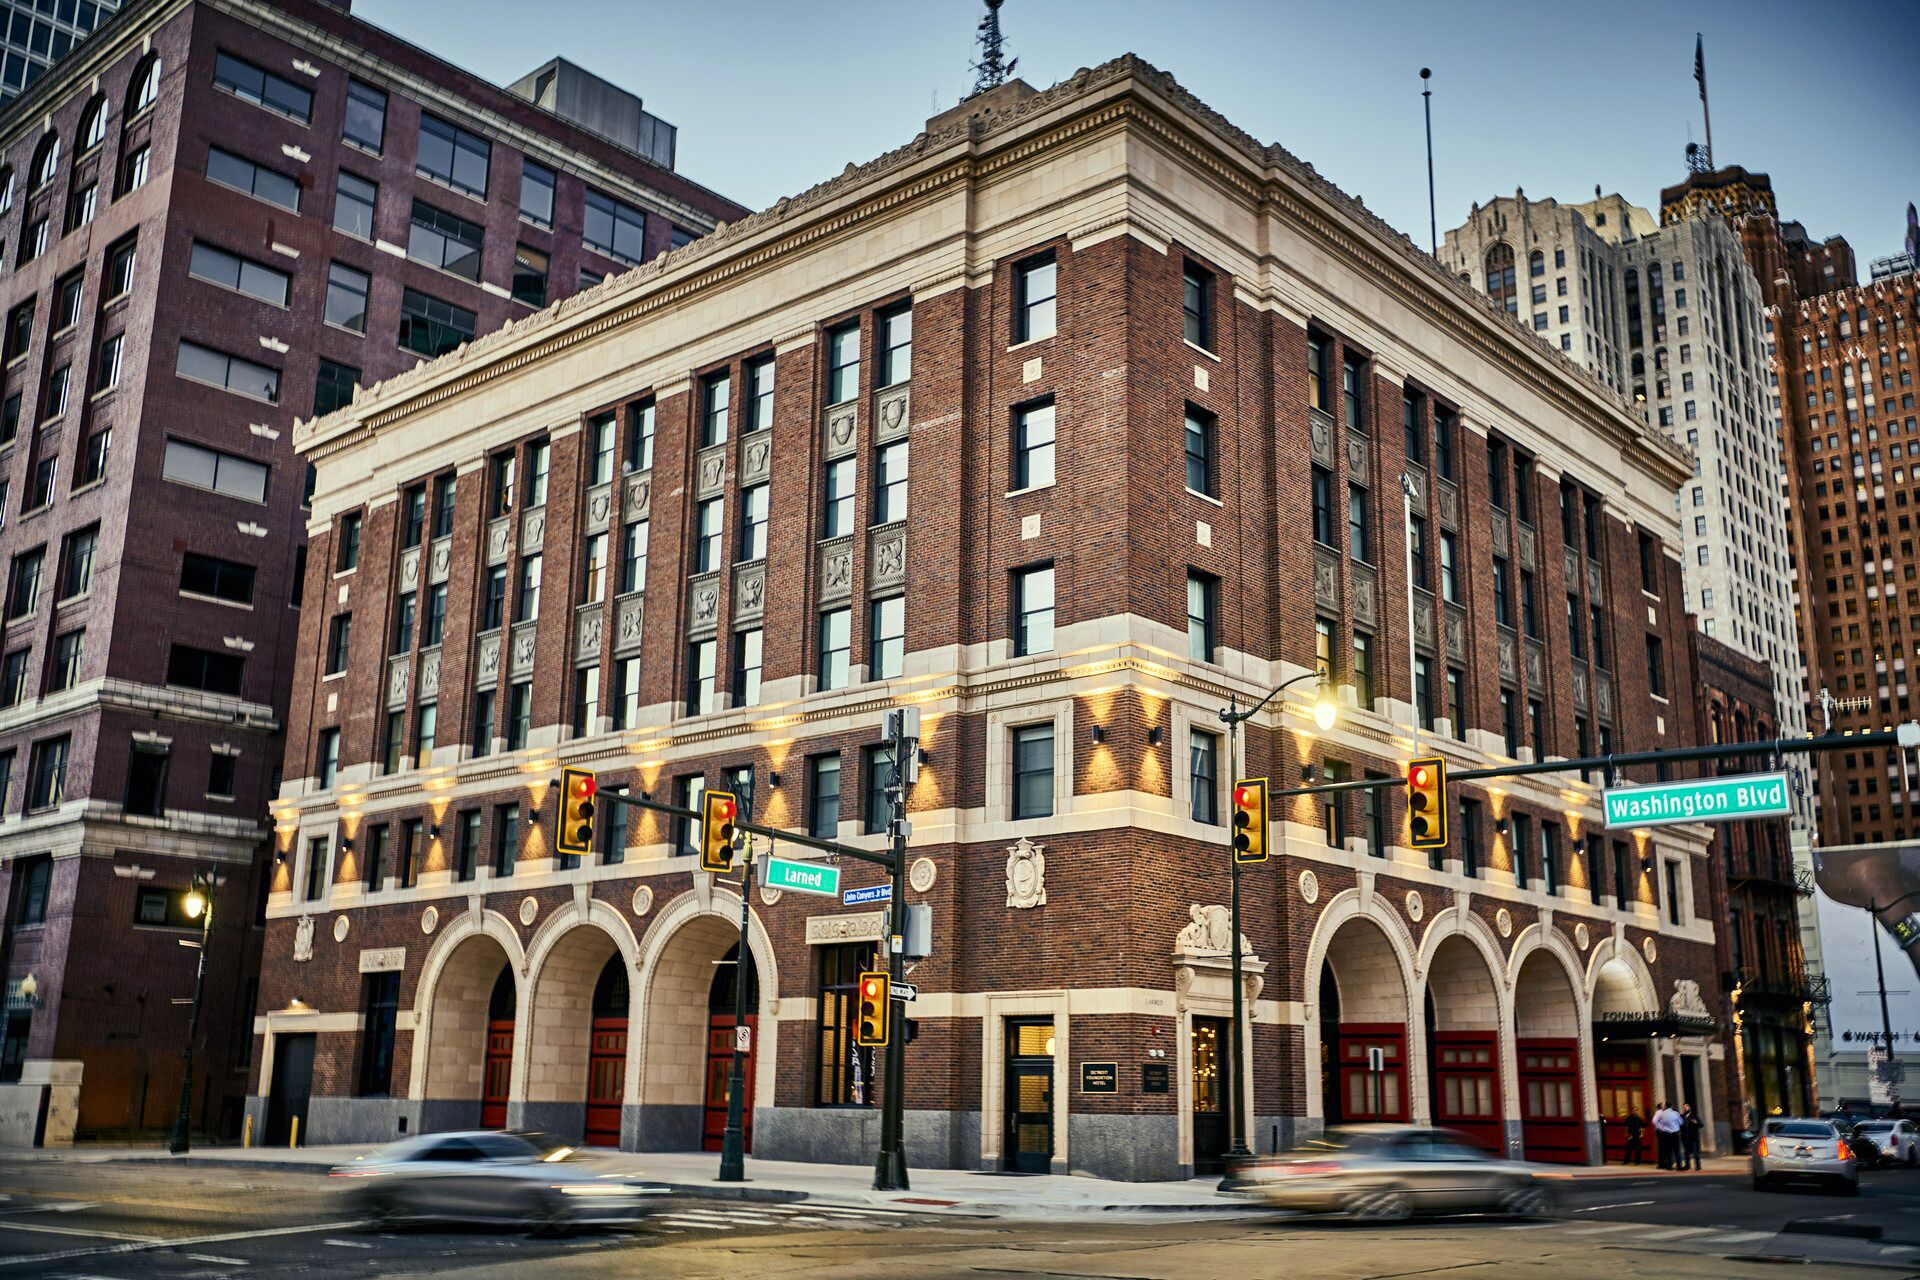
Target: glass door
point(1028, 1140)
point(1211, 1036)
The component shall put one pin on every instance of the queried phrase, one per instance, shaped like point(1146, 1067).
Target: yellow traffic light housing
point(578, 788)
point(716, 831)
point(1250, 820)
point(875, 1004)
point(1427, 802)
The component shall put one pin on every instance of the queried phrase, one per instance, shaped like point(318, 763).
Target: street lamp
point(199, 906)
point(1326, 713)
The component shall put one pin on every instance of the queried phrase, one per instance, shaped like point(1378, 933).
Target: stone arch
point(456, 980)
point(1618, 981)
point(1343, 908)
point(1453, 930)
point(666, 1067)
point(552, 1034)
point(1467, 1045)
point(1546, 983)
point(1361, 935)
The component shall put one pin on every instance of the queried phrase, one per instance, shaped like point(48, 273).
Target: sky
point(773, 96)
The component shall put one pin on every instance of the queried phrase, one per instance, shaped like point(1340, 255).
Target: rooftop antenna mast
point(994, 66)
point(1700, 74)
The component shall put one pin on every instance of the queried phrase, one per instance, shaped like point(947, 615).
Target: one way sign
point(905, 992)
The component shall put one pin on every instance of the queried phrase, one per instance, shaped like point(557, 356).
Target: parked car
point(490, 1176)
point(1804, 1151)
point(1382, 1173)
point(1888, 1142)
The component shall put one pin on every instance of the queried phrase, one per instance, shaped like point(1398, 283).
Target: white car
point(488, 1176)
point(1898, 1140)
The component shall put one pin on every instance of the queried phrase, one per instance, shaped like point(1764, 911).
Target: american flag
point(1700, 63)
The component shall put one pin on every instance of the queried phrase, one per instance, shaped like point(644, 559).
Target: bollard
point(293, 1133)
point(246, 1133)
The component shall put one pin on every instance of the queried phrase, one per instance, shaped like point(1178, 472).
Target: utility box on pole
point(919, 931)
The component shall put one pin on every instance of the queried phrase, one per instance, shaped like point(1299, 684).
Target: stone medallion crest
point(1649, 950)
point(341, 927)
point(1580, 935)
point(1026, 874)
point(529, 908)
point(429, 919)
point(642, 900)
point(1309, 887)
point(769, 895)
point(1415, 907)
point(303, 940)
point(1503, 921)
point(921, 875)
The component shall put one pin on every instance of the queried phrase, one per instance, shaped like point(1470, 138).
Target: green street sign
point(801, 877)
point(1757, 795)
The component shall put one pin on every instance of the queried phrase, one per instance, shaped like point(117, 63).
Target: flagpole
point(1700, 74)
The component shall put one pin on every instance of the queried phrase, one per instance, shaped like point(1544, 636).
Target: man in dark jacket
point(1636, 1130)
point(1689, 1136)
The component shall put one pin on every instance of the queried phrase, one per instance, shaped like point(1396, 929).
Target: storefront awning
point(1645, 1025)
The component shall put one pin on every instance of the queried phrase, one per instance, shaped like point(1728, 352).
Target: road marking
point(142, 1244)
point(1603, 1229)
point(705, 1226)
point(348, 1244)
point(90, 1234)
point(1602, 1208)
point(1743, 1237)
point(214, 1257)
point(1673, 1233)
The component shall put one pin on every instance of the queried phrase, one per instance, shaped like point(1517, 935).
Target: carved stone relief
point(487, 661)
point(525, 647)
point(1363, 596)
point(710, 474)
point(410, 569)
point(1210, 933)
point(1593, 580)
point(1456, 630)
point(533, 529)
point(1417, 476)
point(587, 633)
point(703, 605)
point(1498, 526)
point(1326, 580)
point(440, 561)
point(1536, 666)
point(632, 613)
point(1572, 557)
point(839, 431)
point(836, 569)
point(303, 940)
point(1503, 921)
point(1423, 620)
point(1321, 427)
point(430, 919)
point(887, 556)
point(1309, 887)
point(1026, 874)
point(1508, 669)
point(1580, 688)
point(399, 671)
point(1449, 505)
point(756, 457)
point(639, 495)
point(1526, 547)
point(499, 540)
point(1603, 695)
point(749, 591)
point(430, 673)
point(1357, 469)
point(599, 507)
point(891, 412)
point(1581, 937)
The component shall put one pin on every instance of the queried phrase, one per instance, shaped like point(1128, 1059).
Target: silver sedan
point(1382, 1173)
point(1804, 1150)
point(487, 1176)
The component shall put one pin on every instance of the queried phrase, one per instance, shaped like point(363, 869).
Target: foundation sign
point(1759, 795)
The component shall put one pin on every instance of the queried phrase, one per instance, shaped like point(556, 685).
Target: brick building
point(213, 229)
point(1160, 383)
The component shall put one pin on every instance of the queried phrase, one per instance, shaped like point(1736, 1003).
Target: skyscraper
point(35, 34)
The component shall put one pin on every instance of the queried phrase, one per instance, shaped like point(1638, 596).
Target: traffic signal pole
point(890, 1165)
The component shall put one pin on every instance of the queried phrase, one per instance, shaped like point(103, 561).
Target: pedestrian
point(1666, 1128)
point(1689, 1136)
point(1636, 1128)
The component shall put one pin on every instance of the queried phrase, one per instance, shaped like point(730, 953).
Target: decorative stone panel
point(399, 673)
point(599, 507)
point(887, 555)
point(1526, 547)
point(710, 471)
point(499, 540)
point(836, 569)
point(639, 495)
point(1572, 558)
point(1357, 469)
point(703, 605)
point(1536, 666)
point(429, 673)
point(749, 591)
point(1326, 580)
point(525, 645)
point(1423, 620)
point(486, 667)
point(756, 457)
point(1593, 579)
point(586, 633)
point(1363, 595)
point(1321, 427)
point(440, 560)
point(1579, 688)
point(839, 430)
point(1498, 526)
point(533, 529)
point(1603, 695)
point(1449, 505)
point(1456, 630)
point(892, 412)
point(1417, 477)
point(631, 614)
point(409, 569)
point(1508, 662)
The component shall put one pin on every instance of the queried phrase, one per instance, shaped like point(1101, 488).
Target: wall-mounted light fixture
point(1309, 771)
point(773, 779)
point(1154, 735)
point(1099, 734)
point(433, 832)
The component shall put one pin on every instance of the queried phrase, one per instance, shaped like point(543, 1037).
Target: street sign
point(874, 893)
point(905, 992)
point(743, 1039)
point(801, 877)
point(1758, 795)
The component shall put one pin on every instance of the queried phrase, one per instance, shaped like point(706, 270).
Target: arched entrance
point(1363, 1027)
point(689, 1000)
point(722, 1043)
point(607, 1055)
point(1546, 1028)
point(577, 1033)
point(474, 982)
point(1621, 1072)
point(1463, 1043)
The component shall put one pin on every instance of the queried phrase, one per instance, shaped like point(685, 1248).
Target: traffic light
point(716, 831)
point(875, 1004)
point(1427, 802)
point(1250, 820)
point(578, 787)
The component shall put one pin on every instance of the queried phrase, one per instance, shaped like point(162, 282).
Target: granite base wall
point(371, 1121)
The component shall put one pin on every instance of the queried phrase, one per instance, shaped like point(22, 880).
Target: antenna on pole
point(1700, 74)
point(1433, 217)
point(994, 66)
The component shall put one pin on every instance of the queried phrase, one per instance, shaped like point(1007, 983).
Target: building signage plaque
point(1099, 1077)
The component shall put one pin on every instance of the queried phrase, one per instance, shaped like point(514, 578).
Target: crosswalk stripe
point(1601, 1229)
point(1742, 1237)
point(1673, 1233)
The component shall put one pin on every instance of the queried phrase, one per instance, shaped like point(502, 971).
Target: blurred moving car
point(1887, 1142)
point(1804, 1151)
point(1382, 1173)
point(489, 1176)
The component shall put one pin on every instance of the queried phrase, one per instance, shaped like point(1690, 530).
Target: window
point(33, 241)
point(1649, 565)
point(47, 774)
point(265, 89)
point(10, 419)
point(451, 155)
point(1200, 448)
point(836, 645)
point(1529, 612)
point(746, 667)
point(1443, 424)
point(616, 229)
point(526, 601)
point(1033, 610)
point(40, 483)
point(1537, 727)
point(1550, 856)
point(886, 638)
point(843, 364)
point(243, 175)
point(366, 120)
point(232, 373)
point(1423, 689)
point(1622, 883)
point(1323, 507)
point(1673, 891)
point(876, 772)
point(146, 782)
point(709, 520)
point(413, 516)
point(76, 562)
point(353, 200)
point(1656, 668)
point(1359, 532)
point(1203, 593)
point(701, 657)
point(633, 556)
point(339, 639)
point(837, 500)
point(23, 584)
point(444, 490)
point(586, 699)
point(221, 768)
point(614, 834)
point(1033, 771)
point(1353, 388)
point(1410, 415)
point(626, 693)
point(1510, 722)
point(1599, 638)
point(823, 796)
point(1318, 395)
point(431, 327)
point(81, 206)
point(1034, 284)
point(896, 345)
point(640, 437)
point(529, 276)
point(347, 297)
point(1502, 593)
point(1197, 305)
point(846, 1070)
point(121, 259)
point(1417, 549)
point(32, 878)
point(135, 168)
point(13, 678)
point(1576, 627)
point(1376, 816)
point(1457, 701)
point(107, 366)
point(519, 714)
point(536, 193)
point(1033, 436)
point(56, 398)
point(205, 670)
point(1334, 806)
point(433, 624)
point(759, 395)
point(347, 542)
point(19, 330)
point(93, 126)
point(326, 765)
point(500, 485)
point(1362, 673)
point(482, 738)
point(506, 838)
point(334, 386)
point(1203, 767)
point(688, 792)
point(716, 398)
point(445, 241)
point(890, 482)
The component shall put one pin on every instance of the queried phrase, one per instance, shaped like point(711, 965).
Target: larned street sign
point(801, 877)
point(1758, 795)
point(873, 893)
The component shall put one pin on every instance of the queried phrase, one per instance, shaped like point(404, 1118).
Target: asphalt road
point(150, 1221)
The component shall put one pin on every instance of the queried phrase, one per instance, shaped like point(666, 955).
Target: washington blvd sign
point(1758, 795)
